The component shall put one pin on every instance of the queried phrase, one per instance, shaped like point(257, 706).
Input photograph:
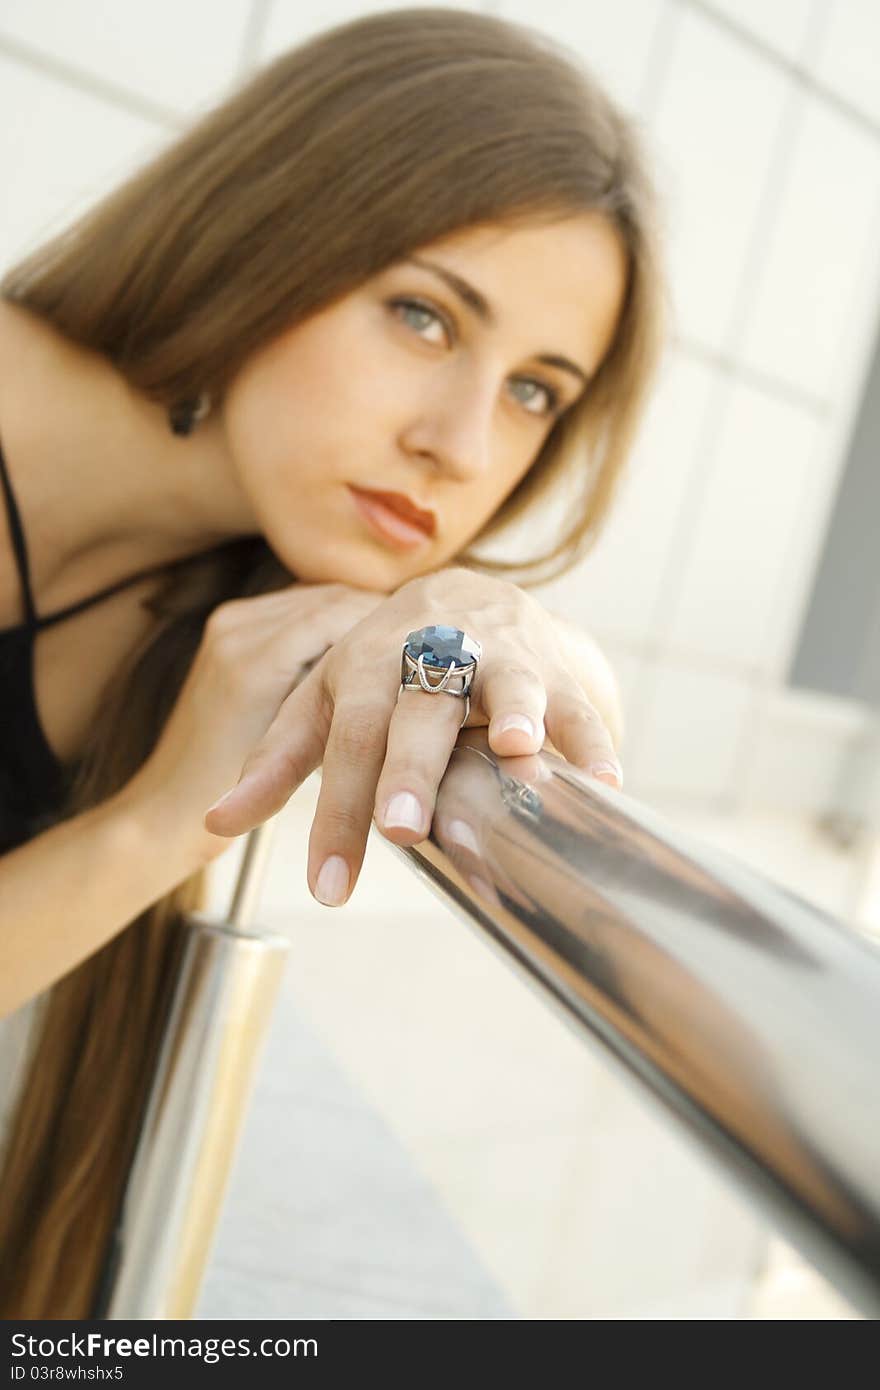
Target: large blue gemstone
point(442, 646)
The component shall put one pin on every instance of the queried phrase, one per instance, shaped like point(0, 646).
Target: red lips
point(405, 507)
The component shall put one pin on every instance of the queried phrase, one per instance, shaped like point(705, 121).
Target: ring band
point(448, 654)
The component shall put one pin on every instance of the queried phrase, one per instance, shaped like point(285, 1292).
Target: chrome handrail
point(750, 1015)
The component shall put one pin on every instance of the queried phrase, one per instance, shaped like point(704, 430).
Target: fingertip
point(209, 821)
point(231, 807)
point(213, 830)
point(608, 772)
point(520, 724)
point(221, 800)
point(333, 883)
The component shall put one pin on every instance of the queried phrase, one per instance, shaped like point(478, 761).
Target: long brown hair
point(338, 158)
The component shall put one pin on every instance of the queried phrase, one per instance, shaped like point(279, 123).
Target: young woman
point(260, 402)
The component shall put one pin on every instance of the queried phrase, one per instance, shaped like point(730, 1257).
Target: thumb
point(291, 748)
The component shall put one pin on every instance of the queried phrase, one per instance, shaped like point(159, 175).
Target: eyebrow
point(480, 305)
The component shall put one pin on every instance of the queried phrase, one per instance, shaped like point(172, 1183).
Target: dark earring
point(183, 416)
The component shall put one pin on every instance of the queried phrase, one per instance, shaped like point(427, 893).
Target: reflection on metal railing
point(750, 1015)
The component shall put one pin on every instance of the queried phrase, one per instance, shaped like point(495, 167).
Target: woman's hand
point(383, 757)
point(253, 651)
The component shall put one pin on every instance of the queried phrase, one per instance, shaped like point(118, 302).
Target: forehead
point(559, 284)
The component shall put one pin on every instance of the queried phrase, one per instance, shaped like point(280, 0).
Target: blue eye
point(552, 396)
point(419, 308)
point(433, 315)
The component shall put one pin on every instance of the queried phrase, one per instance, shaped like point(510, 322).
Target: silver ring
point(442, 660)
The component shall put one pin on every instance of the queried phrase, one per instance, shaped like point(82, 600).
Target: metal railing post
point(222, 1004)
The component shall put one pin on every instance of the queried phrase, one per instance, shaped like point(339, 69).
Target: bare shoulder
point(10, 341)
point(25, 341)
point(23, 335)
point(27, 348)
point(10, 316)
point(14, 321)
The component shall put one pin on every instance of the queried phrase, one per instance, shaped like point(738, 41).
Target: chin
point(340, 564)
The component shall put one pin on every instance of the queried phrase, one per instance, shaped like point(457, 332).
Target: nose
point(455, 425)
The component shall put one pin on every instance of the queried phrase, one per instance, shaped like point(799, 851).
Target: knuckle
point(513, 671)
point(224, 652)
point(355, 731)
point(574, 709)
point(223, 648)
point(290, 763)
point(223, 619)
point(591, 715)
point(570, 694)
point(341, 822)
point(359, 655)
point(222, 639)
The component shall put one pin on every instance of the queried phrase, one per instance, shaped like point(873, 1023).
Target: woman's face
point(425, 382)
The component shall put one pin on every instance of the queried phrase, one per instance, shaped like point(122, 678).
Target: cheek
point(287, 412)
point(304, 382)
point(308, 364)
point(340, 402)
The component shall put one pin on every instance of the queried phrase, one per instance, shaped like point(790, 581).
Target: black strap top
point(32, 778)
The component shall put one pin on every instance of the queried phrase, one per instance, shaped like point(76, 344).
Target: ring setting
point(440, 659)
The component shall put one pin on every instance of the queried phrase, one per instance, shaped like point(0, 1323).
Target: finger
point(290, 749)
point(577, 730)
point(421, 737)
point(352, 762)
point(514, 701)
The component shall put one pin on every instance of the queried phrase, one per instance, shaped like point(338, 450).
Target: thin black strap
point(21, 555)
point(95, 598)
point(18, 542)
point(32, 620)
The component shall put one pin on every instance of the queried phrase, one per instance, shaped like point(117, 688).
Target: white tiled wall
point(763, 121)
point(174, 56)
point(288, 22)
point(60, 148)
point(615, 41)
point(737, 559)
point(689, 740)
point(763, 124)
point(785, 26)
point(666, 471)
point(714, 127)
point(847, 59)
point(818, 251)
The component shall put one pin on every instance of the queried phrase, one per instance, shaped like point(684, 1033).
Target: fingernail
point(332, 884)
point(482, 888)
point(460, 833)
point(608, 772)
point(515, 721)
point(403, 812)
point(220, 800)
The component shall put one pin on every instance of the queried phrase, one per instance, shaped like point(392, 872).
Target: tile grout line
point(253, 40)
point(776, 387)
point(791, 67)
point(759, 693)
point(671, 583)
point(69, 75)
point(106, 90)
